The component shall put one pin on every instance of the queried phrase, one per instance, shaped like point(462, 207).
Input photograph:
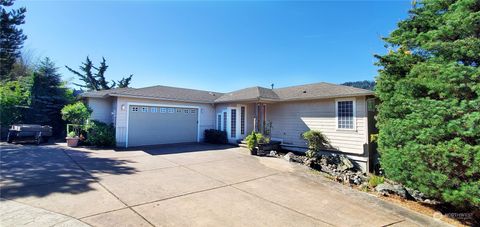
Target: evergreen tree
point(48, 96)
point(366, 84)
point(96, 81)
point(429, 87)
point(11, 37)
point(124, 82)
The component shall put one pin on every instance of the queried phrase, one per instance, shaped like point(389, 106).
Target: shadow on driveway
point(30, 170)
point(182, 148)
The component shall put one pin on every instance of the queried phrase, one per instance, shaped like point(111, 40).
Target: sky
point(215, 45)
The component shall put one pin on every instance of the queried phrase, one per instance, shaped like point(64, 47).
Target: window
point(345, 114)
point(171, 110)
point(153, 109)
point(219, 122)
point(179, 110)
point(144, 109)
point(163, 110)
point(134, 109)
point(242, 120)
point(225, 121)
point(185, 111)
point(233, 125)
point(193, 111)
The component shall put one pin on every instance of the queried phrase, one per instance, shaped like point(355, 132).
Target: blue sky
point(219, 46)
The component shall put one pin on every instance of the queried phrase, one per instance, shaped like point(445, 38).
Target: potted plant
point(72, 139)
point(252, 141)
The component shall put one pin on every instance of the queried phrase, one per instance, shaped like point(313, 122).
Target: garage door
point(149, 125)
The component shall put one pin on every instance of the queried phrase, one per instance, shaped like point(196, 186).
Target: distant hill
point(366, 84)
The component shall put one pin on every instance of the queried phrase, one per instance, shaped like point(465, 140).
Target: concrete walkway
point(181, 185)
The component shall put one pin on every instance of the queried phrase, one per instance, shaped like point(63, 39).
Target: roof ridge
point(192, 89)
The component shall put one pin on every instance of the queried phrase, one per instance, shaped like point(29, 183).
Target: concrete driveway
point(178, 185)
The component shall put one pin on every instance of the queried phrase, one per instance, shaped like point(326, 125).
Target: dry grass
point(426, 209)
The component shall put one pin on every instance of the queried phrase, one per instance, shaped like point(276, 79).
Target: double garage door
point(151, 125)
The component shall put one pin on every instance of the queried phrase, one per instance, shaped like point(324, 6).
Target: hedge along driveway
point(190, 184)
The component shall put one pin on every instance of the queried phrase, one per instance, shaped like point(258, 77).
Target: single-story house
point(163, 115)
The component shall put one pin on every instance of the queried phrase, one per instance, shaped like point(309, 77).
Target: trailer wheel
point(39, 138)
point(10, 137)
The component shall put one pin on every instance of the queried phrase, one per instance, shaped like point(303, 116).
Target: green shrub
point(100, 134)
point(254, 138)
point(76, 113)
point(72, 134)
point(375, 180)
point(429, 111)
point(13, 95)
point(316, 142)
point(215, 136)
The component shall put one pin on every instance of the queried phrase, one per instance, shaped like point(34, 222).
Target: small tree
point(76, 113)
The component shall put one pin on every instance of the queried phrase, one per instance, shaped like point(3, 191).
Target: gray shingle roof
point(160, 92)
point(248, 94)
point(318, 91)
point(300, 92)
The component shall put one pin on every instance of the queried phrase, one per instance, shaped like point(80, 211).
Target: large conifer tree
point(429, 87)
point(11, 37)
point(48, 96)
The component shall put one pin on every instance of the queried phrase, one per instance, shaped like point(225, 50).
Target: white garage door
point(151, 125)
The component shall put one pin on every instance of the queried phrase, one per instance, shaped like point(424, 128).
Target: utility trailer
point(38, 132)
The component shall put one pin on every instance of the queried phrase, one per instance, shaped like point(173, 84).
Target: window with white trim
point(153, 109)
point(171, 110)
point(144, 109)
point(225, 121)
point(163, 110)
point(193, 111)
point(345, 114)
point(242, 120)
point(233, 121)
point(134, 109)
point(219, 122)
point(185, 111)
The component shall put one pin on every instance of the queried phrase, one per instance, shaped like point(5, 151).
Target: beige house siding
point(101, 109)
point(206, 117)
point(291, 119)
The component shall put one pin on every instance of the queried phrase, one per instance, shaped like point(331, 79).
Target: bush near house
point(316, 142)
point(100, 134)
point(429, 115)
point(215, 136)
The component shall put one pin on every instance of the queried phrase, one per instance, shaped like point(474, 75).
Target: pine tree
point(97, 81)
point(124, 82)
point(48, 96)
point(429, 87)
point(11, 37)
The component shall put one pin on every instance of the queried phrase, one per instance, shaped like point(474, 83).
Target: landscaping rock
point(417, 195)
point(273, 153)
point(288, 156)
point(344, 163)
point(387, 188)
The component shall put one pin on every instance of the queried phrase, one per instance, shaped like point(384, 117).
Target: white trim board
point(160, 105)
